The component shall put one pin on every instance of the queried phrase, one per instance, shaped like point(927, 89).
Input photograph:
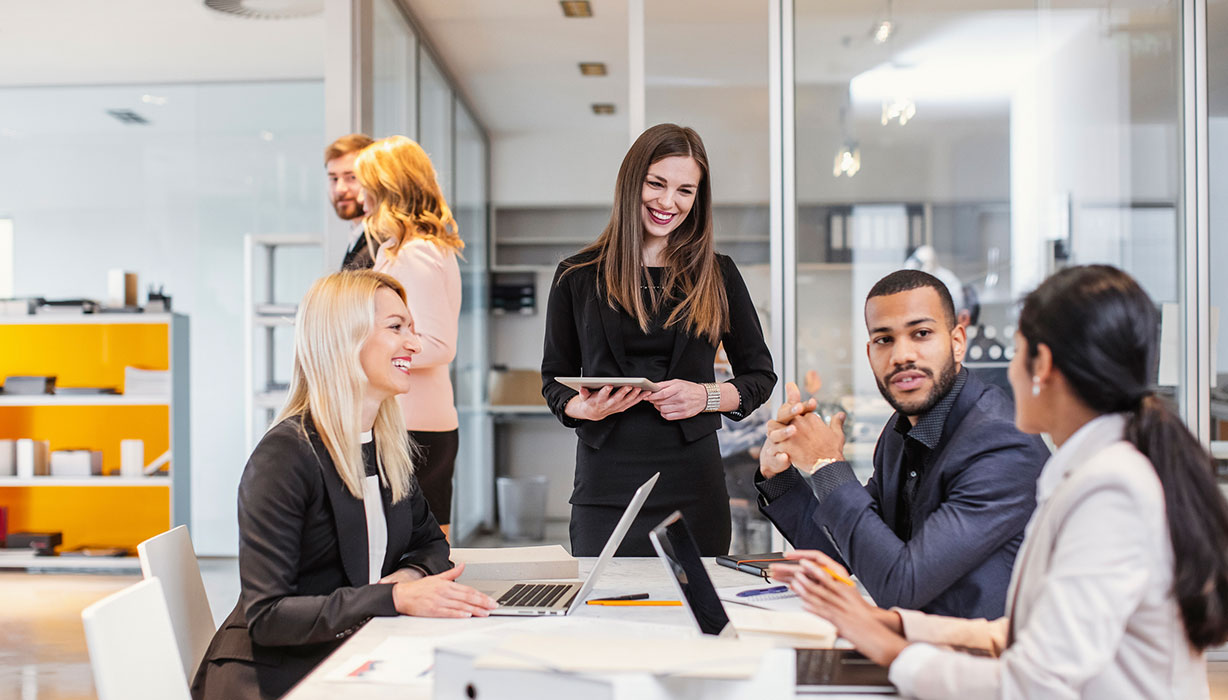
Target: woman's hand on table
point(678, 399)
point(441, 596)
point(874, 631)
point(595, 405)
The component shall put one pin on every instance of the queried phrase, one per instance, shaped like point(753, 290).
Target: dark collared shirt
point(922, 440)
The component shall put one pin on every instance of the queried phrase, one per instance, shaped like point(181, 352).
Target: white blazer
point(1089, 609)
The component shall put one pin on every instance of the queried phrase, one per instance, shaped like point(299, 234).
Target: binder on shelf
point(8, 458)
point(33, 458)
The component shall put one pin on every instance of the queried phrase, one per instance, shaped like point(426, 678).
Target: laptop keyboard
point(534, 594)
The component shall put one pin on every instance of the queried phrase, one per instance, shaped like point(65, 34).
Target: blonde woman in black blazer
point(333, 527)
point(652, 298)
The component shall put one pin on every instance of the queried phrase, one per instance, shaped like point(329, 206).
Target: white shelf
point(11, 560)
point(86, 319)
point(111, 481)
point(84, 400)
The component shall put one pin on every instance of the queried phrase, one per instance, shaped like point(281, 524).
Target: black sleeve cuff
point(831, 477)
point(777, 486)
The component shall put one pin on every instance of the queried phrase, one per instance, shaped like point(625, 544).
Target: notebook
point(818, 670)
point(561, 598)
point(756, 564)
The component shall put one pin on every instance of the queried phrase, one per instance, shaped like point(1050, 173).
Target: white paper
point(816, 630)
point(787, 601)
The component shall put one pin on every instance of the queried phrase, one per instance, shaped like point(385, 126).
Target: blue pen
point(763, 591)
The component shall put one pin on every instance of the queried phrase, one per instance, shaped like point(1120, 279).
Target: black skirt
point(436, 468)
point(642, 444)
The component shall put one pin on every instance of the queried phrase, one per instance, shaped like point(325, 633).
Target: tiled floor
point(42, 646)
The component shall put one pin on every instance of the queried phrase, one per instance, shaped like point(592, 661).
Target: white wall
point(171, 201)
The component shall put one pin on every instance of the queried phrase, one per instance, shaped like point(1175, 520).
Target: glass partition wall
point(990, 145)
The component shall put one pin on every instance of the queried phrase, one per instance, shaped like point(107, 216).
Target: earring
point(1035, 386)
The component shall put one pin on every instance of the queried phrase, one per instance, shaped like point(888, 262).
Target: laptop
point(818, 670)
point(531, 598)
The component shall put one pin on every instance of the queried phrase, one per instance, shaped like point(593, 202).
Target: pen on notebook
point(635, 602)
point(762, 591)
point(629, 596)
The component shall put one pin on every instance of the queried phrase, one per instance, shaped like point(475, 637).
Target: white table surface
point(622, 576)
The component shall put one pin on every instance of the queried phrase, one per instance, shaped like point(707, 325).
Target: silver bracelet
point(714, 397)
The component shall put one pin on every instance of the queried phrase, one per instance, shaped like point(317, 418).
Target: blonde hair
point(403, 196)
point(334, 319)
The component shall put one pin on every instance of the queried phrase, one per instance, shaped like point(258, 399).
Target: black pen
point(629, 596)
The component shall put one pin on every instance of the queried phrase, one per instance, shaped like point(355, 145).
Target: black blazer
point(584, 338)
point(303, 566)
point(973, 502)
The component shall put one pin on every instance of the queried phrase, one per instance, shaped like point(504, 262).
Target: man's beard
point(943, 384)
point(355, 209)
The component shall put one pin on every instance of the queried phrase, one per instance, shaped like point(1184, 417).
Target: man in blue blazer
point(937, 526)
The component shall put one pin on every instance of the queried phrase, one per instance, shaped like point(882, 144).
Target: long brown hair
point(404, 196)
point(692, 274)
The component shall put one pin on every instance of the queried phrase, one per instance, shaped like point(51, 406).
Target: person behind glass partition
point(652, 298)
point(1122, 582)
point(345, 195)
point(333, 527)
point(418, 245)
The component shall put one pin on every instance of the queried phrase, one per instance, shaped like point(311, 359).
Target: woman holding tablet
point(651, 298)
point(1121, 583)
point(333, 528)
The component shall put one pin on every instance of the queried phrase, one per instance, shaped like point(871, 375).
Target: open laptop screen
point(673, 541)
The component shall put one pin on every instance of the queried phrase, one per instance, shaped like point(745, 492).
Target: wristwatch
point(819, 464)
point(714, 397)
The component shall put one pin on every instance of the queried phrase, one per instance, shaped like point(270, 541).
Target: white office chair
point(170, 557)
point(132, 647)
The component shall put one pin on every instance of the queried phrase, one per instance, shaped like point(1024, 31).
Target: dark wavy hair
point(1103, 332)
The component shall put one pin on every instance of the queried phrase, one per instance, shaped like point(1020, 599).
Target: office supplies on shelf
point(514, 563)
point(145, 382)
point(121, 288)
point(44, 542)
point(19, 307)
point(74, 307)
point(29, 385)
point(4, 525)
point(8, 458)
point(86, 391)
point(157, 300)
point(76, 463)
point(131, 457)
point(155, 466)
point(634, 603)
point(629, 596)
point(756, 564)
point(33, 458)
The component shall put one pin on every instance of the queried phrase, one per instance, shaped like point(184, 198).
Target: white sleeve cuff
point(908, 666)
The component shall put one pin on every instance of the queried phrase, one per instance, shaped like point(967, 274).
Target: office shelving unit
point(93, 350)
point(263, 316)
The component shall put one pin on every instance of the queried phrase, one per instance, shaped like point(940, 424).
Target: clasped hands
point(799, 436)
point(676, 399)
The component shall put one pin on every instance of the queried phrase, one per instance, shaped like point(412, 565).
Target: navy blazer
point(303, 566)
point(973, 502)
point(584, 338)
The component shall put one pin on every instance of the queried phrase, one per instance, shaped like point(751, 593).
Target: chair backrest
point(132, 648)
point(170, 557)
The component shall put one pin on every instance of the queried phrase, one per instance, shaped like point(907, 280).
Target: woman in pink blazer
point(418, 244)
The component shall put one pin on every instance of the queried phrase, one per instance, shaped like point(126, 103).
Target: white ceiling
point(92, 42)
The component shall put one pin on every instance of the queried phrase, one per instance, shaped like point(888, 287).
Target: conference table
point(330, 681)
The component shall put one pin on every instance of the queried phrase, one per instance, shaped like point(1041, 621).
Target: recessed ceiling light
point(603, 108)
point(153, 100)
point(576, 8)
point(595, 68)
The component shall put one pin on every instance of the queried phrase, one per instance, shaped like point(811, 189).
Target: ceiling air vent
point(268, 9)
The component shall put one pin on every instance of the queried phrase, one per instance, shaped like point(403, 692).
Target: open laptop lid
point(676, 546)
point(616, 539)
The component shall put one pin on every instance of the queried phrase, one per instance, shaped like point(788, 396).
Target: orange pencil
point(635, 602)
point(842, 579)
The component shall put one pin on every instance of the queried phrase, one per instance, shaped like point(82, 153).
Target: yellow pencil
point(842, 579)
point(634, 602)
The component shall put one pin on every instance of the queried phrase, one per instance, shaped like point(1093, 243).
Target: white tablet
point(595, 383)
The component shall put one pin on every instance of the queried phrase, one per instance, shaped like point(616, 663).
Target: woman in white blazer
point(1122, 580)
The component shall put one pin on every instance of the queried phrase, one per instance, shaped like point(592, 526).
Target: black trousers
point(435, 469)
point(591, 526)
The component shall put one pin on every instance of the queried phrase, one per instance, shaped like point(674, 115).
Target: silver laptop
point(553, 597)
point(818, 670)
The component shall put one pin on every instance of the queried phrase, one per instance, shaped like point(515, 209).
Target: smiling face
point(386, 354)
point(668, 194)
point(914, 350)
point(343, 188)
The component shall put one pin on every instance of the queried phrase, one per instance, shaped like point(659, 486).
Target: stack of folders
point(146, 382)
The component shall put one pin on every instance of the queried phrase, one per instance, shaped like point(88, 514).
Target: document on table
point(801, 629)
point(397, 660)
point(704, 657)
point(786, 600)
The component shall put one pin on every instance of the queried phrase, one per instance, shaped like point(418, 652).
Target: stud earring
point(1035, 386)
